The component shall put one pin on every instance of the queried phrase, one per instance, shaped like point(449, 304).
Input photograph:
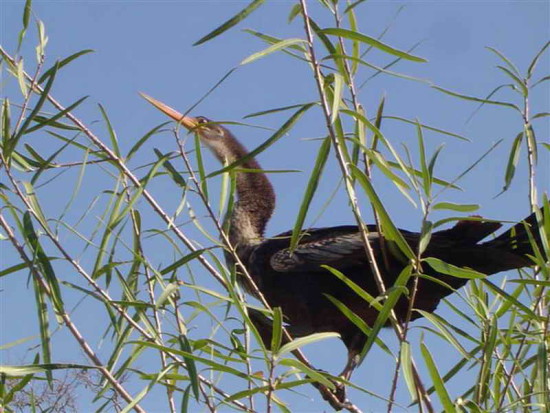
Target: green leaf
point(533, 64)
point(312, 374)
point(271, 49)
point(277, 331)
point(426, 178)
point(6, 133)
point(144, 139)
point(274, 138)
point(41, 100)
point(512, 67)
point(63, 63)
point(311, 188)
point(294, 11)
point(336, 96)
point(474, 99)
point(176, 176)
point(233, 21)
point(406, 367)
point(349, 34)
point(280, 109)
point(191, 366)
point(456, 207)
point(519, 83)
point(16, 371)
point(302, 341)
point(112, 133)
point(513, 159)
point(26, 19)
point(424, 126)
point(393, 295)
point(449, 269)
point(541, 80)
point(439, 384)
point(425, 236)
point(355, 287)
point(41, 122)
point(390, 231)
point(21, 78)
point(167, 292)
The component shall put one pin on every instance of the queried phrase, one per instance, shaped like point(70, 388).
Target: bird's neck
point(255, 199)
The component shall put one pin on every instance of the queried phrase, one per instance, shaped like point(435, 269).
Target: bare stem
point(349, 187)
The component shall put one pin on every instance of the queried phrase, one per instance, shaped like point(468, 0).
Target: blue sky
point(147, 46)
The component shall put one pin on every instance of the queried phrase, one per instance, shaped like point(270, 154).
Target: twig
point(67, 320)
point(350, 190)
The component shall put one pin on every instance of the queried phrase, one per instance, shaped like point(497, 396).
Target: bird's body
point(296, 280)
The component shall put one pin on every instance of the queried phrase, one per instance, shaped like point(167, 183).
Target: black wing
point(337, 247)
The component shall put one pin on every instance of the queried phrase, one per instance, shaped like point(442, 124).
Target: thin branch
point(67, 320)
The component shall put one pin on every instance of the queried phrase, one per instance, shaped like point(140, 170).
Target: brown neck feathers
point(255, 196)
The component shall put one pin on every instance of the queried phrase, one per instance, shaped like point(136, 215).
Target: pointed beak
point(187, 121)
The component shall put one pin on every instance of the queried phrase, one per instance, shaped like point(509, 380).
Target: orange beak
point(187, 121)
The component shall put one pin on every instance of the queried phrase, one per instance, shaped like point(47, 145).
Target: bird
point(298, 281)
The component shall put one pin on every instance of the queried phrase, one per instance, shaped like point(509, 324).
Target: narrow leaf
point(349, 34)
point(233, 21)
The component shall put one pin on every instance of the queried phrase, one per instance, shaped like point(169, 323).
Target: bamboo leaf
point(275, 110)
point(449, 269)
point(518, 82)
point(336, 96)
point(424, 126)
point(390, 231)
point(439, 384)
point(512, 164)
point(144, 139)
point(182, 261)
point(533, 64)
point(394, 293)
point(16, 371)
point(233, 21)
point(63, 63)
point(456, 207)
point(274, 138)
point(191, 366)
point(41, 122)
point(372, 301)
point(26, 19)
point(277, 331)
point(541, 80)
point(294, 11)
point(312, 374)
point(41, 100)
point(311, 188)
point(474, 99)
point(168, 291)
point(349, 34)
point(406, 367)
point(426, 178)
point(283, 44)
point(21, 78)
point(302, 341)
point(512, 67)
point(112, 133)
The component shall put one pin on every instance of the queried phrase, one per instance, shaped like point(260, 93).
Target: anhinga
point(296, 282)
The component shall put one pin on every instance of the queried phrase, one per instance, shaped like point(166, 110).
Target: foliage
point(100, 257)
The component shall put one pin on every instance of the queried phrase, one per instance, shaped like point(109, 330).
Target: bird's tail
point(521, 239)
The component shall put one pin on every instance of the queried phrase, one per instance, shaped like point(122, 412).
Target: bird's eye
point(202, 120)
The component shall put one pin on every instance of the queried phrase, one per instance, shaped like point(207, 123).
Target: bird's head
point(212, 134)
point(206, 128)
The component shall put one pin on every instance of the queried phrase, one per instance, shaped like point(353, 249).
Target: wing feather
point(332, 250)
